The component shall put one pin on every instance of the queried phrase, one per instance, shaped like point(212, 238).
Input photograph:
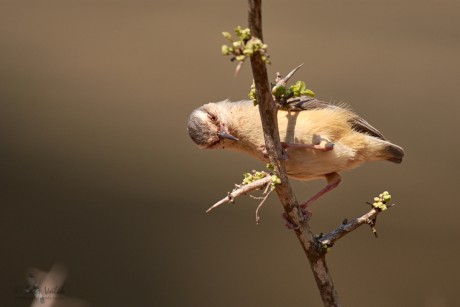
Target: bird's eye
point(212, 117)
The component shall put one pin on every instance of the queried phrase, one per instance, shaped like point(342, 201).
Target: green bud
point(297, 88)
point(248, 52)
point(376, 199)
point(386, 193)
point(279, 91)
point(238, 31)
point(387, 198)
point(256, 45)
point(252, 93)
point(227, 36)
point(247, 178)
point(308, 92)
point(237, 44)
point(326, 247)
point(379, 205)
point(270, 167)
point(243, 34)
point(275, 180)
point(300, 89)
point(240, 58)
point(225, 50)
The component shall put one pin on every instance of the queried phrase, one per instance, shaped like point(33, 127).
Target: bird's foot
point(306, 216)
point(284, 155)
point(322, 143)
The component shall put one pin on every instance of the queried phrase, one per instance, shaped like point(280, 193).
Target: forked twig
point(243, 189)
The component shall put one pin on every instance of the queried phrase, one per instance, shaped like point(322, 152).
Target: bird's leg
point(333, 180)
point(318, 143)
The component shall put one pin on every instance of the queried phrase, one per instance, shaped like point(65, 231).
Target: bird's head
point(208, 126)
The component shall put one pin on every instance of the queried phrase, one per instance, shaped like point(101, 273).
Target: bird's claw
point(306, 215)
point(284, 154)
point(318, 143)
point(322, 143)
point(289, 224)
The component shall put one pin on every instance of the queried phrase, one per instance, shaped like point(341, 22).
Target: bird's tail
point(378, 149)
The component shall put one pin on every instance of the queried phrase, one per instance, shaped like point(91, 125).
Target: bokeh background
point(98, 173)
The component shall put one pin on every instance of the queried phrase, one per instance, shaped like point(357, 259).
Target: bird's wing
point(307, 103)
point(363, 126)
point(359, 124)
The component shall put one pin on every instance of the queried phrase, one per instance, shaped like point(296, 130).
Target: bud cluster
point(244, 46)
point(381, 201)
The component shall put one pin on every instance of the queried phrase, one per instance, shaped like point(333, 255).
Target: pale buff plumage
point(242, 120)
point(237, 126)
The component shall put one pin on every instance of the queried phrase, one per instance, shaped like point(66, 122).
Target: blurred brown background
point(98, 173)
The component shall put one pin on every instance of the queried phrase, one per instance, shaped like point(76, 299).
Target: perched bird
point(320, 139)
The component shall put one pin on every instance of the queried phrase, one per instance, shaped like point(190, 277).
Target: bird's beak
point(225, 135)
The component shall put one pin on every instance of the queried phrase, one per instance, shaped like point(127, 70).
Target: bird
point(320, 138)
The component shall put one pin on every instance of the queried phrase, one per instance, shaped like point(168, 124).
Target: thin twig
point(260, 206)
point(283, 81)
point(344, 229)
point(242, 189)
point(238, 68)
